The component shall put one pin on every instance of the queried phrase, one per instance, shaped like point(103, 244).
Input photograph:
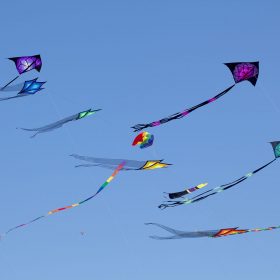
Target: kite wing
point(60, 123)
point(111, 163)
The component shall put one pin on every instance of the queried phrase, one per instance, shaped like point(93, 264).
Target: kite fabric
point(241, 71)
point(60, 123)
point(24, 64)
point(112, 163)
point(216, 190)
point(104, 185)
point(179, 234)
point(144, 140)
point(29, 88)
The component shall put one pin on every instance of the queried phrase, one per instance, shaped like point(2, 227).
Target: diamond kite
point(241, 71)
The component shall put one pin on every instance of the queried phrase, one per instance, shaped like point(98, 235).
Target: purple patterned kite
point(241, 71)
point(25, 64)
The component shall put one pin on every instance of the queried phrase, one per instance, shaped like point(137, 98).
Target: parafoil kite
point(24, 64)
point(71, 205)
point(112, 163)
point(179, 234)
point(27, 89)
point(144, 140)
point(216, 190)
point(241, 71)
point(60, 123)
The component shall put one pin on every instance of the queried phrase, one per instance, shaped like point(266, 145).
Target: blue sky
point(139, 61)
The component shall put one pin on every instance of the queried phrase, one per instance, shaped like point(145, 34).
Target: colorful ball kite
point(144, 140)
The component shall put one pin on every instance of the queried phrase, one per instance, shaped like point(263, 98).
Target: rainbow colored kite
point(144, 140)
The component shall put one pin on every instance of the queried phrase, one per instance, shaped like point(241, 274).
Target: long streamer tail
point(182, 114)
point(71, 205)
point(213, 191)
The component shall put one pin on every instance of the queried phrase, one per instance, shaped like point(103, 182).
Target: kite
point(112, 163)
point(29, 88)
point(216, 190)
point(144, 140)
point(60, 123)
point(241, 71)
point(178, 234)
point(24, 64)
point(116, 171)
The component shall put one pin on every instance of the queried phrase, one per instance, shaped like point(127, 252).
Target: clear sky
point(139, 61)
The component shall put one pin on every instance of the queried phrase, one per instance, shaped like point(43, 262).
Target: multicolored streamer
point(104, 185)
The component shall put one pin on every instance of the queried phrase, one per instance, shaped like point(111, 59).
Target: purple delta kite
point(24, 64)
point(27, 88)
point(241, 71)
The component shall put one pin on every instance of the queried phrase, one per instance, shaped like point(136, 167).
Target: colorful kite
point(144, 140)
point(28, 88)
point(25, 64)
point(72, 205)
point(216, 190)
point(178, 234)
point(60, 123)
point(129, 164)
point(241, 71)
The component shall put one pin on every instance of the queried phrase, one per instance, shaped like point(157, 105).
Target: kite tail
point(215, 190)
point(27, 129)
point(71, 205)
point(171, 204)
point(182, 114)
point(12, 97)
